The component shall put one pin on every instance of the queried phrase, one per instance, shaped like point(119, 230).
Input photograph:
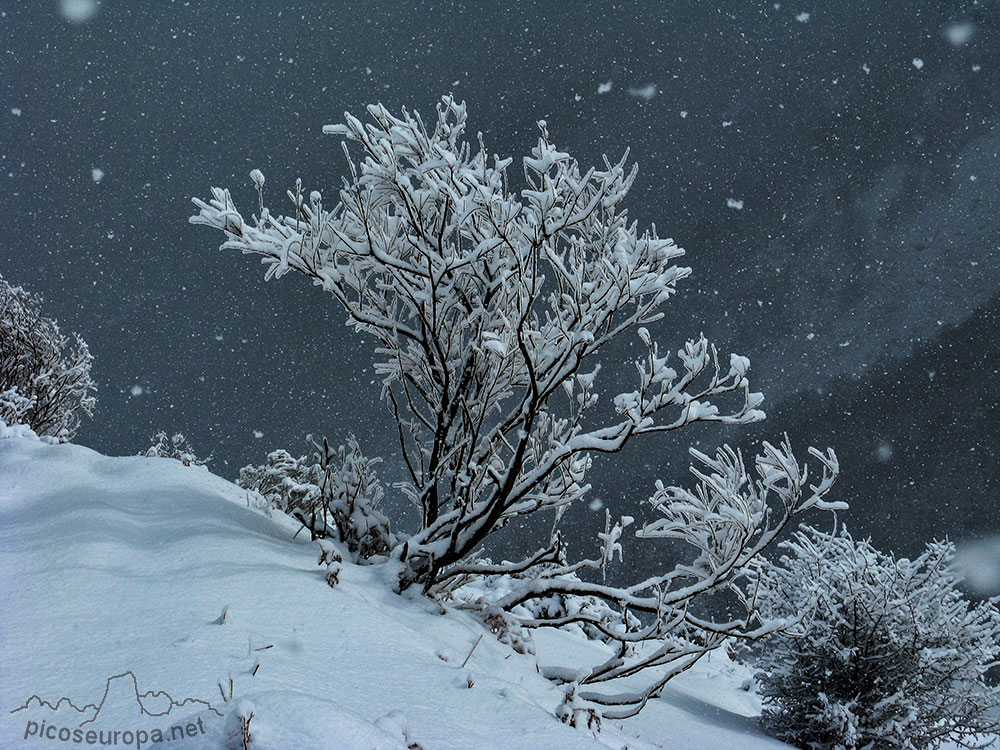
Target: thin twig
point(470, 652)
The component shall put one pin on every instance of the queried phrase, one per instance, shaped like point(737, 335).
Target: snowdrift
point(146, 605)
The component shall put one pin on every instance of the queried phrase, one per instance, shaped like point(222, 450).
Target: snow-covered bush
point(14, 407)
point(887, 654)
point(335, 494)
point(489, 304)
point(45, 380)
point(174, 446)
point(286, 482)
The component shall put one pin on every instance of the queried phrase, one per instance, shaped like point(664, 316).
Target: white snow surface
point(117, 572)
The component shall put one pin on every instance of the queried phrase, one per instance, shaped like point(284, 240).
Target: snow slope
point(117, 572)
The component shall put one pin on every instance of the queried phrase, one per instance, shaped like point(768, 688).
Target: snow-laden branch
point(726, 521)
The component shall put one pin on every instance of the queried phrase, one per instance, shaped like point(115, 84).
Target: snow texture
point(124, 565)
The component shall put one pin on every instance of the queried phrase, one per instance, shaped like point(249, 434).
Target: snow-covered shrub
point(576, 712)
point(351, 495)
point(336, 493)
point(14, 407)
point(887, 653)
point(334, 564)
point(287, 483)
point(488, 308)
point(174, 446)
point(490, 294)
point(44, 379)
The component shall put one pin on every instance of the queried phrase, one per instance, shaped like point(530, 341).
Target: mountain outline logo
point(144, 700)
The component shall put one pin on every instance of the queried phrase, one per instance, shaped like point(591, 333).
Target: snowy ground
point(116, 574)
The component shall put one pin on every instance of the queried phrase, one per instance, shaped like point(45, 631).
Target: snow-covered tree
point(489, 307)
point(887, 652)
point(44, 380)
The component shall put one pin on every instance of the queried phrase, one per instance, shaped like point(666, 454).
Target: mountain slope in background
point(916, 438)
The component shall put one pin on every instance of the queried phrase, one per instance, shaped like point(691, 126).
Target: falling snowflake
point(78, 11)
point(958, 34)
point(646, 92)
point(883, 452)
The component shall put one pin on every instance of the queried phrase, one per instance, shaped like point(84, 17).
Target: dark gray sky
point(860, 275)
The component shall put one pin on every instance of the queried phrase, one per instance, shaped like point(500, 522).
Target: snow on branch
point(727, 521)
